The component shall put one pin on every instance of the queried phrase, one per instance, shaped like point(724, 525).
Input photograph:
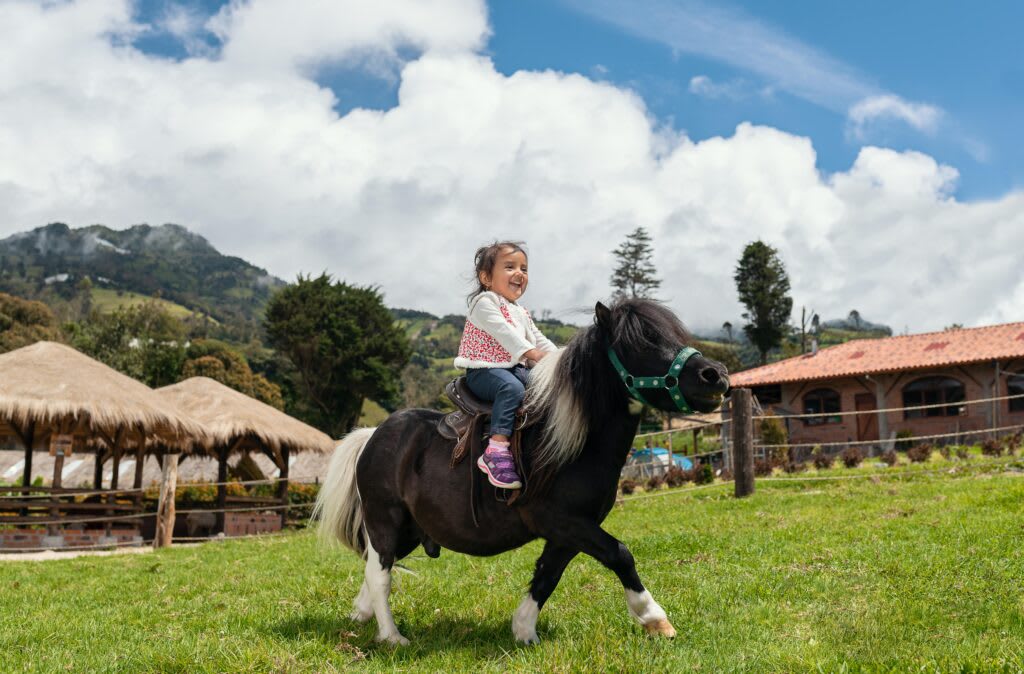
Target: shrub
point(654, 482)
point(676, 476)
point(795, 466)
point(992, 448)
point(920, 453)
point(822, 459)
point(703, 474)
point(889, 457)
point(1011, 443)
point(904, 439)
point(628, 486)
point(852, 456)
point(762, 467)
point(945, 451)
point(725, 474)
point(962, 453)
point(774, 433)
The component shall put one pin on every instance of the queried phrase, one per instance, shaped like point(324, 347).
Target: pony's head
point(654, 363)
point(582, 383)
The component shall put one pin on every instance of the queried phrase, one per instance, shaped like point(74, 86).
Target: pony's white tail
point(338, 506)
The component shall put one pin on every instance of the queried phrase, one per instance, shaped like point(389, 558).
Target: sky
point(875, 145)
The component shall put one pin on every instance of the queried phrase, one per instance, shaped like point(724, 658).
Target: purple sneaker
point(500, 468)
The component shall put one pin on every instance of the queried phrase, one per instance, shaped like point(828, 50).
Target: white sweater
point(498, 333)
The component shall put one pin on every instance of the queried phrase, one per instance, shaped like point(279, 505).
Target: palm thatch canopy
point(50, 384)
point(228, 415)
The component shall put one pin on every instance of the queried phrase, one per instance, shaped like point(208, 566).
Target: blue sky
point(875, 145)
point(966, 60)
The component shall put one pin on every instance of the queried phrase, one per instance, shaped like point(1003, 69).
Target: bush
point(654, 482)
point(904, 439)
point(992, 448)
point(774, 433)
point(795, 466)
point(822, 459)
point(725, 474)
point(889, 457)
point(628, 486)
point(963, 453)
point(1011, 443)
point(920, 453)
point(676, 476)
point(852, 456)
point(703, 474)
point(762, 468)
point(946, 452)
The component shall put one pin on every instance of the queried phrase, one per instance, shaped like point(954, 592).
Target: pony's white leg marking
point(524, 621)
point(363, 605)
point(648, 613)
point(378, 581)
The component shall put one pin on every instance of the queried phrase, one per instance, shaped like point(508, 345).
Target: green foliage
point(143, 341)
point(726, 354)
point(220, 362)
point(763, 288)
point(635, 274)
point(904, 438)
point(852, 456)
point(343, 344)
point(773, 432)
point(23, 322)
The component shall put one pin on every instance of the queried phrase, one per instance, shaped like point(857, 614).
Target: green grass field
point(916, 571)
point(106, 300)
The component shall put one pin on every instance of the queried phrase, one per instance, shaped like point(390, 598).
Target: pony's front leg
point(550, 565)
point(589, 538)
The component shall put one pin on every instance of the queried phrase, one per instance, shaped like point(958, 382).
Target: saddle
point(466, 424)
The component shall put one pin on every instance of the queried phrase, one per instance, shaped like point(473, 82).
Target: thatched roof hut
point(235, 423)
point(50, 389)
point(227, 415)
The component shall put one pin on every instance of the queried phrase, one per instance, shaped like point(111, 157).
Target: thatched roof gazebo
point(52, 393)
point(235, 423)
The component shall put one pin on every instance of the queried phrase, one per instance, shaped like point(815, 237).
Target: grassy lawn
point(919, 573)
point(106, 300)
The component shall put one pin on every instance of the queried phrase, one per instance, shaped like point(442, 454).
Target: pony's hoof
point(527, 639)
point(395, 639)
point(661, 628)
point(360, 616)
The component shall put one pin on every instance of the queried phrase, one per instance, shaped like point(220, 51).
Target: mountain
point(167, 261)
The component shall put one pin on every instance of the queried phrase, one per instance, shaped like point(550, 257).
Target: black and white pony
point(391, 489)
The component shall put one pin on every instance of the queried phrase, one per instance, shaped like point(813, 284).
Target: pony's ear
point(603, 317)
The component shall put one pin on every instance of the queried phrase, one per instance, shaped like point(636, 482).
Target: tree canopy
point(344, 345)
point(763, 288)
point(24, 322)
point(634, 274)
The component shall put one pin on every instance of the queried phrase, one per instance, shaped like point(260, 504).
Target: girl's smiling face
point(508, 278)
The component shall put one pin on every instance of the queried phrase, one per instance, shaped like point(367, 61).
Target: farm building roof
point(893, 354)
point(227, 415)
point(49, 383)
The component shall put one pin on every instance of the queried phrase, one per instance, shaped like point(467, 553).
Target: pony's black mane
point(583, 387)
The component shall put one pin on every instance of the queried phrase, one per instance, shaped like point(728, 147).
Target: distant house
point(939, 368)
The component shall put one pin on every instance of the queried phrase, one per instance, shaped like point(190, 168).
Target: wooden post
point(743, 441)
point(222, 488)
point(696, 444)
point(58, 474)
point(28, 439)
point(282, 486)
point(165, 507)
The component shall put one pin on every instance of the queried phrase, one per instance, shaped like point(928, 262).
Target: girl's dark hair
point(487, 256)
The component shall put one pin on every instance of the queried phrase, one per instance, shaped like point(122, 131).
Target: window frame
point(823, 415)
point(938, 394)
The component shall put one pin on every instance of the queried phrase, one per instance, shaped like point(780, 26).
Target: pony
point(392, 488)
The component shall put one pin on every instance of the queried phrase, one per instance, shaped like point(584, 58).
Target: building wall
point(978, 381)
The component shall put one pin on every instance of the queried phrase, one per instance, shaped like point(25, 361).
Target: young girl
point(498, 344)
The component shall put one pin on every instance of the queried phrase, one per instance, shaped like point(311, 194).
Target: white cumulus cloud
point(247, 149)
point(921, 116)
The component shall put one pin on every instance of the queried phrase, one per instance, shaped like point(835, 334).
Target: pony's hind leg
point(362, 607)
point(548, 572)
point(378, 584)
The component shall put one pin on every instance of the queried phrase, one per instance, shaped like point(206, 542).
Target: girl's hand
point(534, 356)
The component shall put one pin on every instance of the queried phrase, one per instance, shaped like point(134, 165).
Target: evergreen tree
point(634, 275)
point(344, 345)
point(763, 288)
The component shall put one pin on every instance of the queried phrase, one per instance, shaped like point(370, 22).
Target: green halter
point(668, 382)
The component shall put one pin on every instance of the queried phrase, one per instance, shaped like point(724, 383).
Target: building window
point(934, 391)
point(768, 395)
point(823, 401)
point(1015, 387)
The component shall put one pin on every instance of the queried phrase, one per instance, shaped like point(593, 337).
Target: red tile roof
point(893, 354)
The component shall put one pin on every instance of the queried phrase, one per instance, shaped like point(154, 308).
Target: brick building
point(944, 370)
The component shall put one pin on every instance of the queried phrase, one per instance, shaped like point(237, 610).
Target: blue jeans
point(506, 388)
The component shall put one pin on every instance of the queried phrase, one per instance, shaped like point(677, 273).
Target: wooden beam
point(797, 394)
point(222, 488)
point(282, 485)
point(165, 506)
point(970, 376)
